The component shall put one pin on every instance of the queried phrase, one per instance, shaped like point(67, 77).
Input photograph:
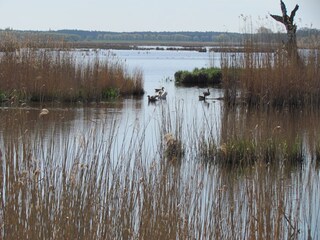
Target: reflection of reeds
point(250, 137)
point(77, 186)
point(48, 74)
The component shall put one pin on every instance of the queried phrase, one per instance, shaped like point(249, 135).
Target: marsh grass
point(57, 183)
point(204, 76)
point(269, 137)
point(272, 78)
point(56, 74)
point(238, 152)
point(102, 181)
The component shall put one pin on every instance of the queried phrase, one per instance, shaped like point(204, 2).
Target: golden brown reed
point(75, 186)
point(61, 184)
point(264, 79)
point(50, 73)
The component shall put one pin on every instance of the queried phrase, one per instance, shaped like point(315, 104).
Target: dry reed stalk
point(46, 74)
point(59, 184)
point(271, 78)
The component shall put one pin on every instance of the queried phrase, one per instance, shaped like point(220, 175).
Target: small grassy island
point(202, 76)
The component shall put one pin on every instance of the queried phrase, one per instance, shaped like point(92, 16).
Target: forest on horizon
point(263, 35)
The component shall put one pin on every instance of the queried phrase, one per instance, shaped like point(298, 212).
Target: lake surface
point(132, 121)
point(159, 68)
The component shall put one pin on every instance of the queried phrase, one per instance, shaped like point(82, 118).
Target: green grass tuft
point(202, 76)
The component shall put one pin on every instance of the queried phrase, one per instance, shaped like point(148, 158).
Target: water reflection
point(125, 139)
point(267, 123)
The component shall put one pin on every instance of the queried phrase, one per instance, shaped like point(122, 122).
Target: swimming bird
point(161, 91)
point(152, 98)
point(202, 98)
point(207, 93)
point(163, 95)
point(157, 90)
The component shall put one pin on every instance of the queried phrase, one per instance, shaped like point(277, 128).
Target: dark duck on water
point(152, 98)
point(205, 94)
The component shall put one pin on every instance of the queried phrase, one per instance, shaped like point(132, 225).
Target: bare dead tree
point(290, 27)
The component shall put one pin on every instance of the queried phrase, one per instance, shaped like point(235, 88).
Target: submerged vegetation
point(51, 73)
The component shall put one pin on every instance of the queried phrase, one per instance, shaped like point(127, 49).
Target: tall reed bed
point(280, 137)
point(272, 78)
point(103, 182)
point(267, 148)
point(48, 73)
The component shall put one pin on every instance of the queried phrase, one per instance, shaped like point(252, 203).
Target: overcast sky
point(153, 15)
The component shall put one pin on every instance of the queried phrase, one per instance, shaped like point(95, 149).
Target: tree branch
point(283, 9)
point(277, 18)
point(293, 13)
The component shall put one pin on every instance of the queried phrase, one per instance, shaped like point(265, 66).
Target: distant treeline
point(264, 35)
point(202, 37)
point(76, 35)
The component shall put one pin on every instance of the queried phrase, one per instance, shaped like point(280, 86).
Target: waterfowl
point(163, 95)
point(207, 93)
point(152, 98)
point(157, 90)
point(161, 91)
point(202, 98)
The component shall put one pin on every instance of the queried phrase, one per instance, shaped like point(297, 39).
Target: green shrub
point(110, 93)
point(208, 76)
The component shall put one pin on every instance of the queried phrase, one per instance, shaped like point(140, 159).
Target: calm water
point(136, 119)
point(159, 68)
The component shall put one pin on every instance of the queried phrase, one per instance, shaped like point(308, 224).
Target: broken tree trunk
point(291, 28)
